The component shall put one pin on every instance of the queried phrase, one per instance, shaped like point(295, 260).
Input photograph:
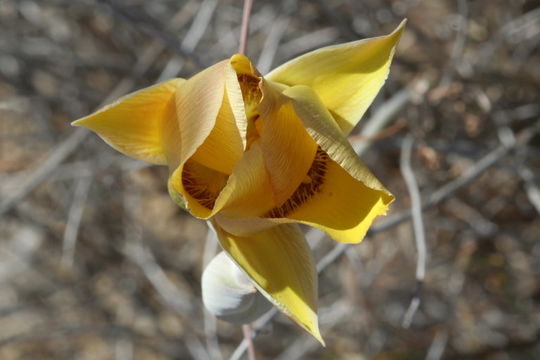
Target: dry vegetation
point(96, 262)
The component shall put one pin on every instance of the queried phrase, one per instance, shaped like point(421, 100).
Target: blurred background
point(96, 262)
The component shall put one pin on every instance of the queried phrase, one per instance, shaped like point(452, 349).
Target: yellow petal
point(223, 147)
point(287, 148)
point(322, 127)
point(183, 198)
point(248, 191)
point(175, 196)
point(134, 124)
point(207, 144)
point(199, 101)
point(242, 65)
point(236, 102)
point(346, 77)
point(343, 207)
point(280, 264)
point(348, 197)
point(246, 226)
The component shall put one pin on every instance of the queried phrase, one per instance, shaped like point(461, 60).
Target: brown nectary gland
point(198, 188)
point(312, 185)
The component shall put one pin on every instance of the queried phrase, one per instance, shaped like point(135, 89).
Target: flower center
point(311, 185)
point(202, 183)
point(252, 95)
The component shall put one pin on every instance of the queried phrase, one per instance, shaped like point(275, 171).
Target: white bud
point(229, 294)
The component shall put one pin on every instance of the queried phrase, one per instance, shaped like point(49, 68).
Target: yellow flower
point(257, 155)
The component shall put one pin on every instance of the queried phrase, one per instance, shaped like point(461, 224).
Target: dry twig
point(244, 32)
point(74, 220)
point(418, 227)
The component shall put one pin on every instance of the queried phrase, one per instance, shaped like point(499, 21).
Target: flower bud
point(229, 294)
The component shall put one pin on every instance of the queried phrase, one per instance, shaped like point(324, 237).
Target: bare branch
point(418, 226)
point(75, 214)
point(532, 189)
point(436, 349)
point(244, 32)
point(459, 44)
point(246, 329)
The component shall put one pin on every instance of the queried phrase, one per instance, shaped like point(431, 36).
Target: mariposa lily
point(256, 155)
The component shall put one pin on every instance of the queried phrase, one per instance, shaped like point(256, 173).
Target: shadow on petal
point(279, 262)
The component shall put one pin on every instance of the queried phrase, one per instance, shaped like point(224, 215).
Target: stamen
point(311, 185)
